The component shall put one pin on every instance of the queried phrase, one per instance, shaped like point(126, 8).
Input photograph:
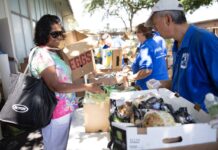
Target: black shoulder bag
point(30, 104)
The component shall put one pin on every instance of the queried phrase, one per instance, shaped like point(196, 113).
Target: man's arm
point(141, 74)
point(166, 84)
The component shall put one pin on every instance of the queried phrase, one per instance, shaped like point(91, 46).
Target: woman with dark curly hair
point(49, 65)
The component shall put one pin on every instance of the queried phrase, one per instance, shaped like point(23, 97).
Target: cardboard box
point(117, 59)
point(81, 64)
point(111, 70)
point(112, 58)
point(207, 146)
point(24, 64)
point(79, 56)
point(96, 116)
point(104, 81)
point(108, 79)
point(133, 138)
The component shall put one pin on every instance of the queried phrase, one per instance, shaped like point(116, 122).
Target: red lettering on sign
point(72, 64)
point(81, 60)
point(77, 62)
point(88, 56)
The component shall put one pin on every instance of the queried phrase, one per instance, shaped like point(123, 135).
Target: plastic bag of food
point(158, 118)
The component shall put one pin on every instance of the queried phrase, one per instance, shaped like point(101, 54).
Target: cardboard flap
point(177, 102)
point(74, 36)
point(79, 47)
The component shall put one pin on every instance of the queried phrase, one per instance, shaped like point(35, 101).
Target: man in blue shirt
point(195, 51)
point(150, 60)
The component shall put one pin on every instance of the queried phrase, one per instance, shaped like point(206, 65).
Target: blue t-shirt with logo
point(195, 69)
point(151, 55)
point(160, 41)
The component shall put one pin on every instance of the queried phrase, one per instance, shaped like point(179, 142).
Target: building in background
point(211, 25)
point(17, 22)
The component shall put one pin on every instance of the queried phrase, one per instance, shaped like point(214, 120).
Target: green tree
point(115, 7)
point(131, 7)
point(192, 5)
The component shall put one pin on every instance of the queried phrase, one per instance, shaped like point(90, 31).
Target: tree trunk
point(124, 23)
point(130, 21)
point(130, 24)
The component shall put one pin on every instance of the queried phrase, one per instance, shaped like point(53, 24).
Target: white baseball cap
point(163, 5)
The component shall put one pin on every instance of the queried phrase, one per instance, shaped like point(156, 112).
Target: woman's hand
point(50, 77)
point(93, 88)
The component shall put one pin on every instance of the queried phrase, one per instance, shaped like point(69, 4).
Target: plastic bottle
point(211, 102)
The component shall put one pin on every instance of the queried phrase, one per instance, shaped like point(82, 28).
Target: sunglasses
point(56, 34)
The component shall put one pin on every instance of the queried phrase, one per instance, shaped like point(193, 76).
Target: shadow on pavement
point(22, 141)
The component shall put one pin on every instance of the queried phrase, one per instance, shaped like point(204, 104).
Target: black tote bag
point(30, 104)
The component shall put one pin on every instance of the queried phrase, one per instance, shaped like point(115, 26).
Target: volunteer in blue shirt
point(195, 51)
point(150, 60)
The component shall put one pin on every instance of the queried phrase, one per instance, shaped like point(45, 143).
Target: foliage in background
point(131, 7)
point(115, 7)
point(192, 5)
